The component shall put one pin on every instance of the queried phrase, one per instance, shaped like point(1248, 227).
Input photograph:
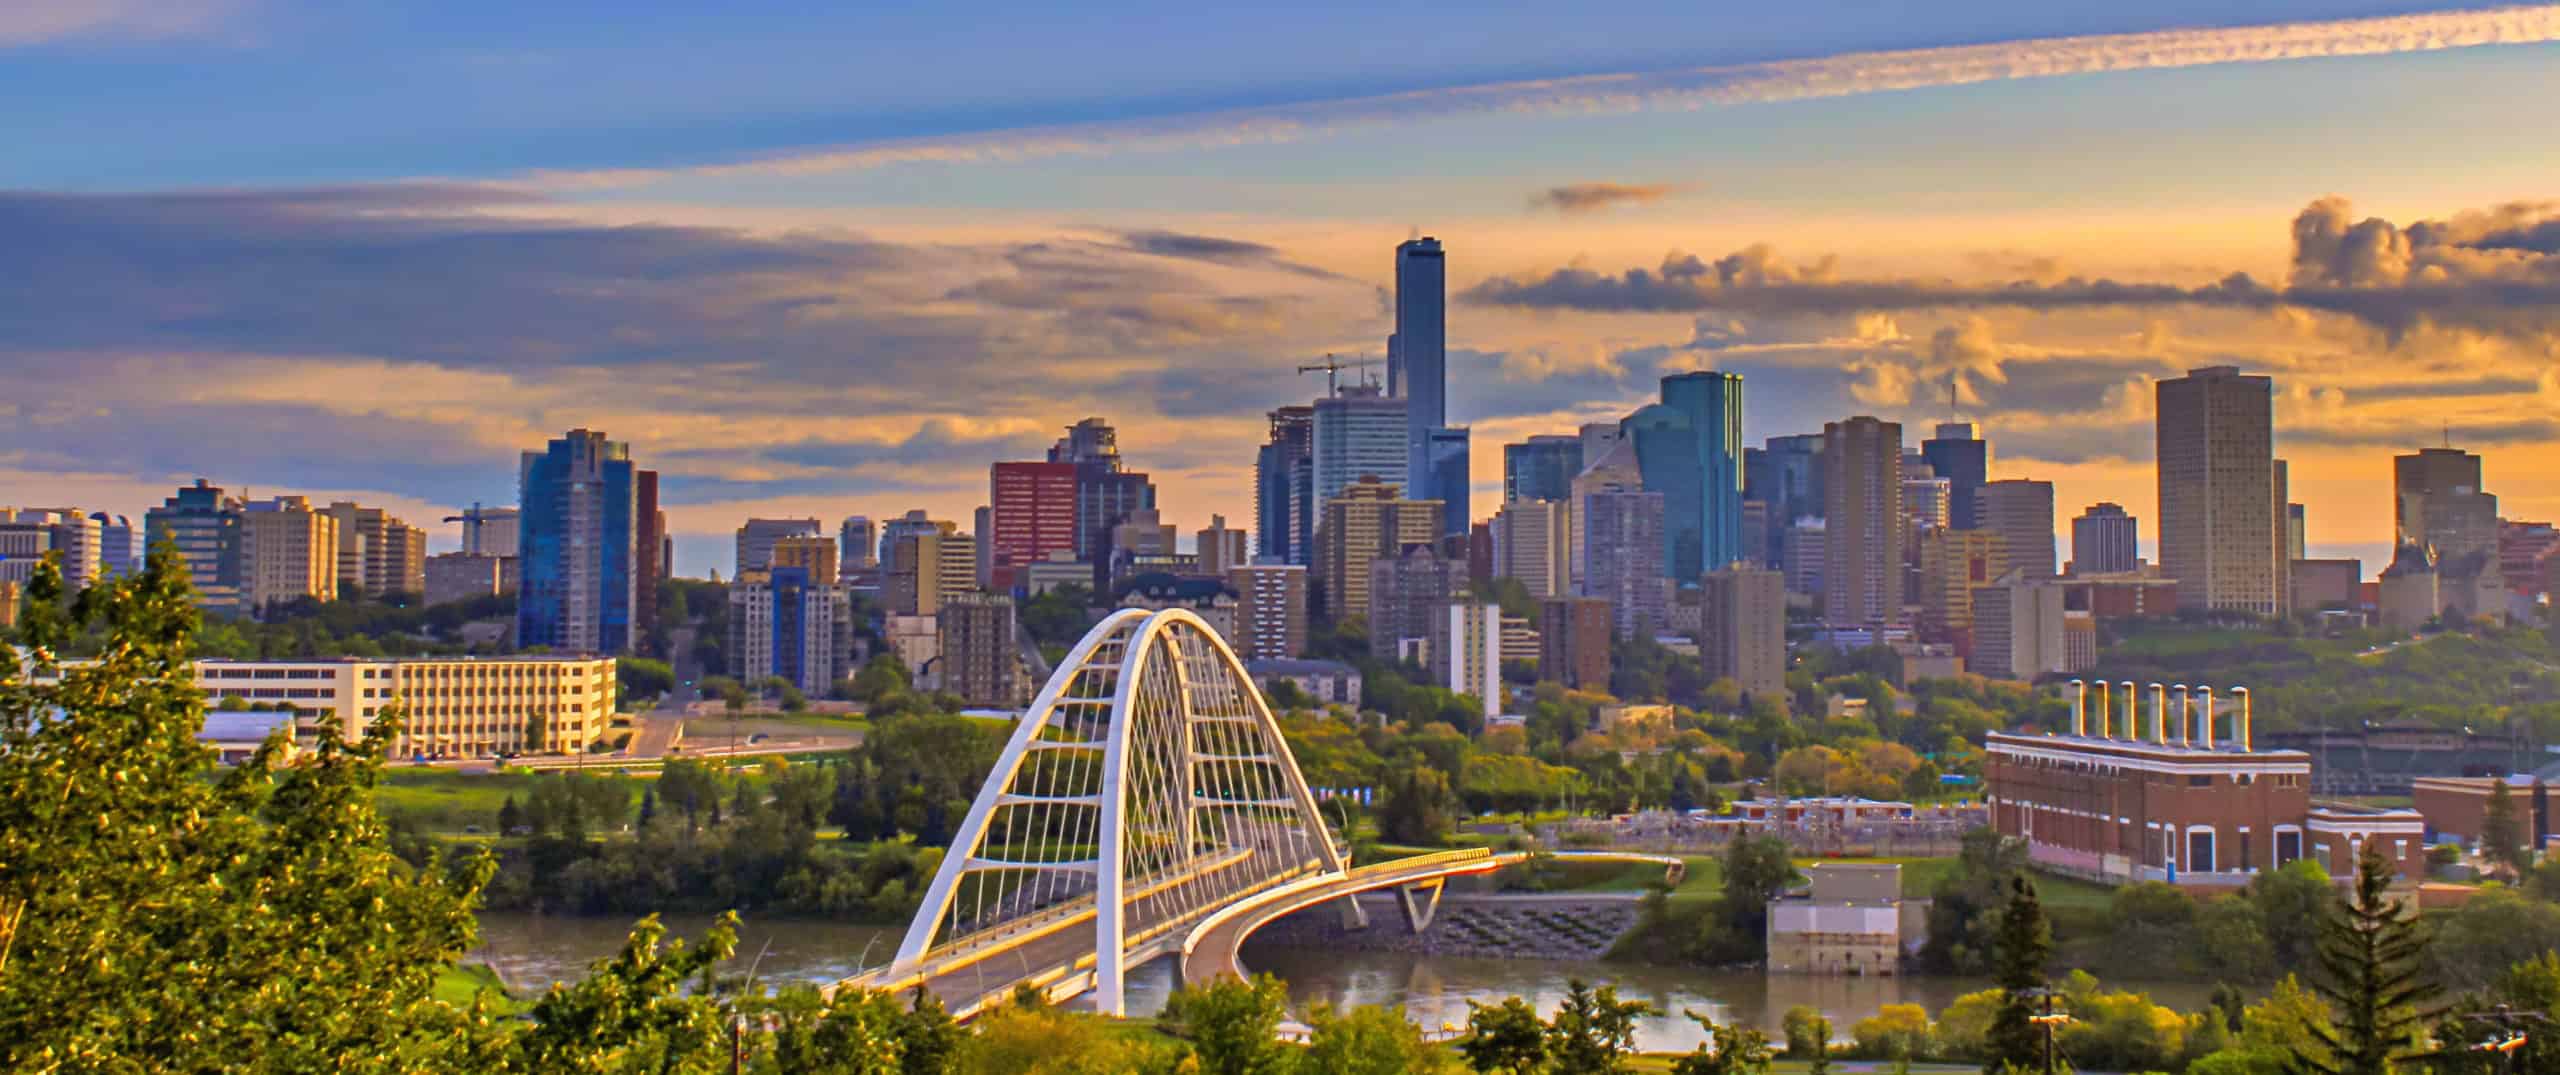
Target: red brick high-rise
point(1031, 510)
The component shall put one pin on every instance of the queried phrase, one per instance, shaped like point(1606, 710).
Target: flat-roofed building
point(1848, 920)
point(451, 707)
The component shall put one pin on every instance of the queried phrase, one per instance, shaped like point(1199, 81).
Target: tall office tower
point(1106, 490)
point(857, 544)
point(2280, 489)
point(1366, 522)
point(2104, 541)
point(784, 622)
point(487, 531)
point(814, 557)
point(1616, 472)
point(1743, 615)
point(120, 549)
point(1952, 563)
point(1417, 355)
point(1963, 458)
point(928, 565)
point(2297, 531)
point(983, 522)
point(2219, 530)
point(287, 552)
point(2020, 629)
point(1480, 553)
point(1806, 543)
point(579, 531)
point(1573, 642)
point(1540, 468)
point(981, 661)
point(1271, 610)
point(1927, 500)
point(1862, 559)
point(1404, 589)
point(1031, 512)
point(1597, 440)
point(1712, 402)
point(1445, 470)
point(2019, 512)
point(653, 560)
point(1359, 433)
point(205, 526)
point(906, 526)
point(27, 535)
point(756, 538)
point(1284, 475)
point(2438, 499)
point(1785, 474)
point(378, 555)
point(1466, 651)
point(1622, 527)
point(1666, 455)
point(1221, 548)
point(1534, 539)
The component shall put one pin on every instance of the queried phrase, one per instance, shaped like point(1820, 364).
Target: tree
point(2292, 903)
point(882, 677)
point(855, 1034)
point(928, 1039)
point(1964, 908)
point(1593, 1032)
point(1809, 1039)
point(1416, 807)
point(510, 817)
point(2018, 954)
point(640, 677)
point(1727, 1050)
point(1894, 1032)
point(1756, 870)
point(2370, 978)
point(1232, 1024)
point(1507, 1037)
point(150, 909)
point(2501, 836)
point(1368, 1040)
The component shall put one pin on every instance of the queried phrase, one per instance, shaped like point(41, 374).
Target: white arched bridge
point(1145, 806)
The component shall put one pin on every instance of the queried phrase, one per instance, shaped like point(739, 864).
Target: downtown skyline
point(858, 317)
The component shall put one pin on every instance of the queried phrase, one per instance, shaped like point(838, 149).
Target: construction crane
point(1333, 365)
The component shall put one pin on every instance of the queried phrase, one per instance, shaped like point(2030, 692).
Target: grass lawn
point(446, 799)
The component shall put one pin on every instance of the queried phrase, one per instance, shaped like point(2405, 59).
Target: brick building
point(2178, 804)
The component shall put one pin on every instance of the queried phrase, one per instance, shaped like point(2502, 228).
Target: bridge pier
point(1420, 902)
point(1354, 916)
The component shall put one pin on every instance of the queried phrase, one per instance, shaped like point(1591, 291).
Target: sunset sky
point(835, 260)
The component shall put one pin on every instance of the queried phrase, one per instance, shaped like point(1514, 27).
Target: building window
point(2200, 851)
point(2288, 846)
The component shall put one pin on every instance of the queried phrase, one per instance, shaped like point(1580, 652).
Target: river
point(531, 951)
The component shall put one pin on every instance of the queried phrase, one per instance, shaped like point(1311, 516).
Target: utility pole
point(2049, 1019)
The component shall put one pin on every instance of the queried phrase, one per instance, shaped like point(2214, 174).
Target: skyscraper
point(1271, 610)
point(1404, 590)
point(1963, 458)
point(2437, 499)
point(1466, 651)
point(579, 535)
point(785, 622)
point(857, 544)
point(287, 552)
point(1445, 463)
point(1743, 612)
point(1106, 490)
point(1284, 475)
point(1535, 539)
point(653, 560)
point(1712, 402)
point(1666, 455)
point(813, 557)
point(1221, 548)
point(2219, 529)
point(755, 540)
point(1359, 434)
point(2019, 512)
point(1862, 561)
point(487, 531)
point(1598, 438)
point(1417, 360)
point(1573, 642)
point(26, 535)
point(981, 661)
point(204, 524)
point(1785, 474)
point(1369, 520)
point(1623, 551)
point(1031, 512)
point(119, 546)
point(2104, 540)
point(378, 555)
point(1541, 468)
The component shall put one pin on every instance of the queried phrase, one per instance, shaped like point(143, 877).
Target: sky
point(834, 259)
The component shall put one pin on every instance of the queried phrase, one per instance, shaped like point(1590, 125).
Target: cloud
point(2476, 271)
point(1688, 89)
point(44, 21)
point(1592, 197)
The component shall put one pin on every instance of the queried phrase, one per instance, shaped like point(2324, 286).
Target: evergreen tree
point(1508, 1038)
point(1593, 1032)
point(510, 817)
point(2019, 950)
point(928, 1039)
point(2370, 977)
point(2501, 837)
point(1232, 1025)
point(1726, 1050)
point(648, 807)
point(1809, 1039)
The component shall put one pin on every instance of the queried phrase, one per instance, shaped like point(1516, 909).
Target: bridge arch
point(1146, 787)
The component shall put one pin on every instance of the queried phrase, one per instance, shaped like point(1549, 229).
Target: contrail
point(1846, 75)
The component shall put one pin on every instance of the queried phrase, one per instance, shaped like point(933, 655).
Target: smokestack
point(2160, 712)
point(2079, 708)
point(2106, 708)
point(2208, 715)
point(2186, 715)
point(2246, 744)
point(2132, 709)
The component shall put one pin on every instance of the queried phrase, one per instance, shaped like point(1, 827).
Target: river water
point(530, 951)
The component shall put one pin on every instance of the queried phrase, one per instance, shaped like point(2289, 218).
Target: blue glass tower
point(576, 528)
point(1418, 371)
point(1541, 468)
point(1445, 460)
point(1666, 456)
point(1964, 459)
point(1712, 402)
point(790, 623)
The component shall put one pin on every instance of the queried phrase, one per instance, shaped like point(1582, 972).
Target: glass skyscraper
point(1418, 373)
point(1964, 459)
point(1713, 404)
point(1445, 470)
point(1541, 468)
point(579, 536)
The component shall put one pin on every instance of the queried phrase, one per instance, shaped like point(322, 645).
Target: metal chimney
point(2079, 708)
point(2246, 744)
point(2207, 692)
